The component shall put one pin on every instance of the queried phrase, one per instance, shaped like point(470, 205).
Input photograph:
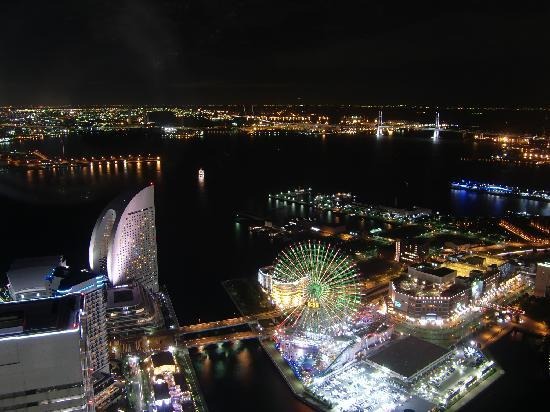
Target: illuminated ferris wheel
point(317, 283)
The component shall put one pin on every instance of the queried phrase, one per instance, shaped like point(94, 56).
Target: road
point(136, 385)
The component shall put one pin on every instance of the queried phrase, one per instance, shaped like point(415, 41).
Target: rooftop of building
point(454, 289)
point(179, 379)
point(39, 316)
point(30, 273)
point(409, 286)
point(161, 391)
point(162, 358)
point(475, 260)
point(435, 271)
point(72, 277)
point(408, 355)
point(124, 296)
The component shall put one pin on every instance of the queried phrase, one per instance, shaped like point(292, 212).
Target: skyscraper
point(123, 244)
point(65, 281)
point(44, 358)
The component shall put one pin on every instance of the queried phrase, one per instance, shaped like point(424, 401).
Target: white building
point(27, 277)
point(93, 288)
point(43, 356)
point(265, 278)
point(124, 244)
point(283, 294)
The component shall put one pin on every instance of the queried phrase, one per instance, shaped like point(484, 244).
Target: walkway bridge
point(227, 323)
point(211, 340)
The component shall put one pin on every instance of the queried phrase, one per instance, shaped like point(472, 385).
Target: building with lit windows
point(44, 365)
point(283, 294)
point(40, 278)
point(65, 281)
point(132, 310)
point(411, 250)
point(433, 294)
point(123, 244)
point(265, 278)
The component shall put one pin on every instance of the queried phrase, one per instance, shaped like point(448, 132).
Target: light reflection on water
point(465, 203)
point(73, 184)
point(240, 376)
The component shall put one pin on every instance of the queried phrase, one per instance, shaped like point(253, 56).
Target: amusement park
point(351, 352)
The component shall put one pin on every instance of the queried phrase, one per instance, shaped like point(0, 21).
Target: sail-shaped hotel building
point(124, 244)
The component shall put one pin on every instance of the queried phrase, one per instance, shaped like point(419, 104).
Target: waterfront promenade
point(192, 381)
point(295, 385)
point(476, 391)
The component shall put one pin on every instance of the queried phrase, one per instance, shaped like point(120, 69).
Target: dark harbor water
point(524, 385)
point(240, 376)
point(200, 243)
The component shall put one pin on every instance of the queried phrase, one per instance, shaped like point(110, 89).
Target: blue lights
point(495, 189)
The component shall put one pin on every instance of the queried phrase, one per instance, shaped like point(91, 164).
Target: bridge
point(162, 339)
point(436, 127)
point(379, 125)
point(226, 323)
point(211, 340)
point(179, 333)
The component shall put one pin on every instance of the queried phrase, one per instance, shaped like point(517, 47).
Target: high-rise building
point(542, 280)
point(132, 310)
point(43, 356)
point(123, 244)
point(64, 282)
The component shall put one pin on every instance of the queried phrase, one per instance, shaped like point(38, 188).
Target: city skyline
point(277, 206)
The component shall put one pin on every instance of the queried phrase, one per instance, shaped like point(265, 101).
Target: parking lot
point(360, 387)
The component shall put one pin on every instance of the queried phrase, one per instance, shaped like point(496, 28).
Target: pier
point(38, 160)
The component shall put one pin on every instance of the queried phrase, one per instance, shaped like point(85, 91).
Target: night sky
point(284, 51)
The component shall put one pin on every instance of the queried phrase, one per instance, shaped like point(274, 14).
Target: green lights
point(326, 280)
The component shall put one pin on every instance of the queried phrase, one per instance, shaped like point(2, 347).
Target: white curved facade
point(101, 237)
point(124, 243)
